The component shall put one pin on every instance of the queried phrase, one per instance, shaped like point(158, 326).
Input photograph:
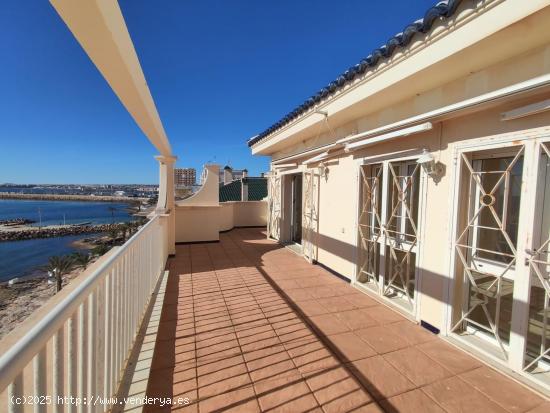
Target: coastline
point(26, 232)
point(20, 300)
point(55, 197)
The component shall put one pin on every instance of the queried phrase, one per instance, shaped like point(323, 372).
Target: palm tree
point(112, 209)
point(81, 259)
point(113, 234)
point(59, 266)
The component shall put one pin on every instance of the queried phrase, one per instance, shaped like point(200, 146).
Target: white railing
point(80, 348)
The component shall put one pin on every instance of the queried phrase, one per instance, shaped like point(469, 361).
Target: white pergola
point(99, 27)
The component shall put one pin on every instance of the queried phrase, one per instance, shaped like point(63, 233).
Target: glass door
point(537, 351)
point(296, 218)
point(486, 246)
point(388, 230)
point(502, 255)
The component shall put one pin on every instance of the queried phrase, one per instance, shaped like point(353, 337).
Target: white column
point(166, 201)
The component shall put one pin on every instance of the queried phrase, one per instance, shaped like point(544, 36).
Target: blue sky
point(219, 71)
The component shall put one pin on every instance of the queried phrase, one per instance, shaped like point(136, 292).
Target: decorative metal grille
point(486, 288)
point(274, 206)
point(310, 213)
point(401, 230)
point(370, 224)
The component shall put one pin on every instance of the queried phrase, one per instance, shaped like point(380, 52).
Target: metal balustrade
point(80, 348)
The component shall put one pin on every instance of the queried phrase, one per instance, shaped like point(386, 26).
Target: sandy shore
point(19, 301)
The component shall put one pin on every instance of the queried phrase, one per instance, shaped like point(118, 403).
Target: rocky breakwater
point(63, 197)
point(27, 232)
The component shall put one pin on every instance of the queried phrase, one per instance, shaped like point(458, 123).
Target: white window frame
point(384, 161)
point(531, 139)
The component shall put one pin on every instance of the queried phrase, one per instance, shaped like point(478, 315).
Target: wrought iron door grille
point(370, 224)
point(486, 245)
point(401, 230)
point(274, 206)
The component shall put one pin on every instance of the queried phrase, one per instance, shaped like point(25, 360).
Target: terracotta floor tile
point(416, 366)
point(542, 408)
point(412, 332)
point(504, 391)
point(380, 378)
point(328, 324)
point(288, 285)
point(311, 355)
point(381, 339)
point(299, 294)
point(268, 371)
point(453, 359)
point(222, 379)
point(361, 300)
point(411, 402)
point(236, 332)
point(384, 315)
point(240, 400)
point(337, 390)
point(335, 304)
point(306, 282)
point(356, 319)
point(349, 347)
point(286, 393)
point(322, 292)
point(311, 307)
point(455, 395)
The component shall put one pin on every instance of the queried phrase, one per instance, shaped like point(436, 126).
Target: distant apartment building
point(228, 174)
point(185, 177)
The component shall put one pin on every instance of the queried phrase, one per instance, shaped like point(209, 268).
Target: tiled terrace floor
point(249, 326)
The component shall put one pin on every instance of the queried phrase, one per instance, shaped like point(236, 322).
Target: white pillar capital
point(166, 159)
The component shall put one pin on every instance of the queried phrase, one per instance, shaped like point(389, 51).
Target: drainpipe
point(166, 200)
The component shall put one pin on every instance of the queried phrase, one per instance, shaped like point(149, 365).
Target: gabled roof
point(442, 10)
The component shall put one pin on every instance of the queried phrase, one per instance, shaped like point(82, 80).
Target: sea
point(24, 258)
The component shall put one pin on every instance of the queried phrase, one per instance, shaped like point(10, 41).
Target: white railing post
point(39, 381)
point(15, 393)
point(58, 382)
point(82, 354)
point(91, 330)
point(72, 359)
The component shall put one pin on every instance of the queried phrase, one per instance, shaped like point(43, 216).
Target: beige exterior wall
point(336, 240)
point(502, 64)
point(204, 223)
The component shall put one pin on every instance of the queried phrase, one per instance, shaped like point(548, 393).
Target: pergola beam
point(99, 27)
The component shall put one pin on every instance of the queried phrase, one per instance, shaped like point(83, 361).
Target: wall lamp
point(427, 161)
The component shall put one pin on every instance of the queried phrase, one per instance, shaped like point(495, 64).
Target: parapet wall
point(199, 223)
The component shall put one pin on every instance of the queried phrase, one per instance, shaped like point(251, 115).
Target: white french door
point(501, 246)
point(388, 230)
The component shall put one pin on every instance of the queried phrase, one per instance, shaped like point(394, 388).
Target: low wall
point(196, 223)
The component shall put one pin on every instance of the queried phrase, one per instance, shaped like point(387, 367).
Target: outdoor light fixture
point(323, 170)
point(427, 161)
